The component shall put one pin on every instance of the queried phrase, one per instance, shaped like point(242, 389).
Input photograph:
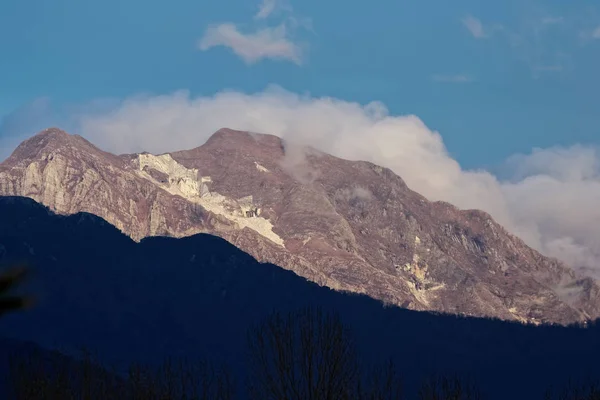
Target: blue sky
point(510, 86)
point(531, 81)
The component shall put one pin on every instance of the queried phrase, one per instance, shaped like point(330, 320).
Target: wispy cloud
point(552, 20)
point(271, 43)
point(539, 39)
point(474, 26)
point(266, 8)
point(549, 68)
point(459, 78)
point(539, 71)
point(589, 35)
point(259, 42)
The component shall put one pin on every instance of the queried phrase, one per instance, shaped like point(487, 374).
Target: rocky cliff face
point(349, 225)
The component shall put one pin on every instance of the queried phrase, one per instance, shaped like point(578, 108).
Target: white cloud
point(266, 8)
point(474, 26)
point(252, 47)
point(460, 78)
point(551, 201)
point(596, 33)
point(260, 42)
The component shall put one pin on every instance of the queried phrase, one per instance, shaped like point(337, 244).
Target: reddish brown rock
point(349, 225)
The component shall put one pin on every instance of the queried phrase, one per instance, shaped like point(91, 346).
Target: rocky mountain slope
point(348, 225)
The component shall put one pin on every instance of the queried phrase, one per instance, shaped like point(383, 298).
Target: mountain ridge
point(349, 225)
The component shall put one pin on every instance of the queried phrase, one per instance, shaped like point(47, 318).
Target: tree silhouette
point(36, 376)
point(181, 380)
point(448, 388)
point(305, 355)
point(9, 279)
point(586, 391)
point(383, 383)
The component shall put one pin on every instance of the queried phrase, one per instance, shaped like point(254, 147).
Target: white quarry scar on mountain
point(260, 167)
point(184, 182)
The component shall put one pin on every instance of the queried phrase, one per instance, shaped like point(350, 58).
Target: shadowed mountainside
point(196, 296)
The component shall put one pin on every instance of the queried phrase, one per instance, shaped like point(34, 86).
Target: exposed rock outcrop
point(349, 225)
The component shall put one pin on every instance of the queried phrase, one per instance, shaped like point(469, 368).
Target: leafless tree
point(383, 383)
point(587, 391)
point(448, 388)
point(181, 380)
point(35, 376)
point(305, 355)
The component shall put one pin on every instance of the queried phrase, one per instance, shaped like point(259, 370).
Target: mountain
point(349, 225)
point(130, 301)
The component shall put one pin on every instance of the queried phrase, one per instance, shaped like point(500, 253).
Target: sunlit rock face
point(349, 225)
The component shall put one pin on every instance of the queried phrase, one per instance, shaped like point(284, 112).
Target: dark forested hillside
point(196, 297)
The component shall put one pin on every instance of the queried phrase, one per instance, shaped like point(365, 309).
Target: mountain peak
point(50, 136)
point(228, 138)
point(48, 139)
point(54, 132)
point(47, 142)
